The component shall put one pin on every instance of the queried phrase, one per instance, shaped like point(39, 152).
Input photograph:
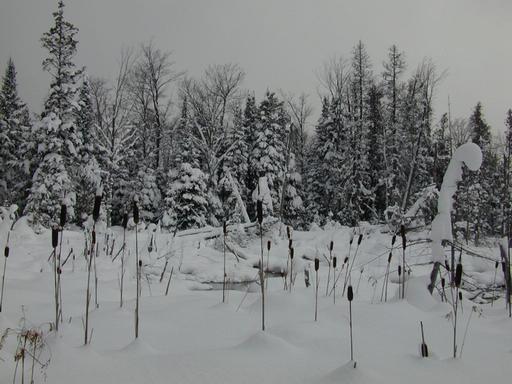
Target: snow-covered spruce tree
point(187, 198)
point(268, 156)
point(250, 126)
point(293, 209)
point(357, 194)
point(392, 140)
point(326, 162)
point(477, 200)
point(234, 169)
point(506, 194)
point(58, 136)
point(15, 136)
point(87, 176)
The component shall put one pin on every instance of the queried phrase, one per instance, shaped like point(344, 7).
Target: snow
point(471, 155)
point(189, 336)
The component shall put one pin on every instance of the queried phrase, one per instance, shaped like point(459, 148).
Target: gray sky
point(280, 43)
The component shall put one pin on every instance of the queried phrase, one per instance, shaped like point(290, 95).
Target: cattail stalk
point(224, 231)
point(259, 208)
point(331, 245)
point(292, 253)
point(137, 266)
point(88, 293)
point(169, 281)
point(494, 282)
point(125, 225)
point(349, 271)
point(317, 266)
point(55, 243)
point(350, 297)
point(404, 246)
point(6, 255)
point(458, 280)
point(334, 262)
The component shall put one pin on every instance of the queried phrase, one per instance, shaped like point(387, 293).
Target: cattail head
point(334, 261)
point(399, 270)
point(93, 236)
point(59, 271)
point(402, 233)
point(63, 215)
point(346, 260)
point(288, 233)
point(259, 210)
point(140, 263)
point(317, 263)
point(125, 220)
point(389, 257)
point(55, 237)
point(360, 239)
point(393, 240)
point(446, 265)
point(225, 228)
point(458, 275)
point(96, 209)
point(496, 265)
point(443, 282)
point(135, 213)
point(331, 245)
point(269, 244)
point(292, 253)
point(460, 295)
point(350, 293)
point(6, 251)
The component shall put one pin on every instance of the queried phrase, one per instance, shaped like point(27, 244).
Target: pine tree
point(15, 135)
point(250, 126)
point(187, 199)
point(60, 140)
point(87, 176)
point(268, 157)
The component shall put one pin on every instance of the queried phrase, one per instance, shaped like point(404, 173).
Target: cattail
point(460, 295)
point(331, 246)
point(269, 244)
point(334, 260)
point(125, 220)
point(93, 236)
point(458, 275)
point(290, 244)
point(140, 263)
point(63, 215)
point(399, 270)
point(55, 237)
point(393, 240)
point(496, 265)
point(292, 251)
point(345, 261)
point(402, 233)
point(350, 297)
point(360, 239)
point(225, 228)
point(96, 210)
point(317, 264)
point(59, 270)
point(443, 282)
point(446, 265)
point(135, 213)
point(259, 209)
point(6, 251)
point(389, 257)
point(288, 233)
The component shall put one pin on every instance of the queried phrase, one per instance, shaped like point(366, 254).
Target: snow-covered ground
point(190, 336)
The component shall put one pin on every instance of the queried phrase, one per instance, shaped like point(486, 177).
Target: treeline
point(375, 154)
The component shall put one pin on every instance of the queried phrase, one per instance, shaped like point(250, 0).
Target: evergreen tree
point(250, 127)
point(15, 136)
point(58, 135)
point(268, 157)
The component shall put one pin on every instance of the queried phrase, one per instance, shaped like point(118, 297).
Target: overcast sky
point(280, 43)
